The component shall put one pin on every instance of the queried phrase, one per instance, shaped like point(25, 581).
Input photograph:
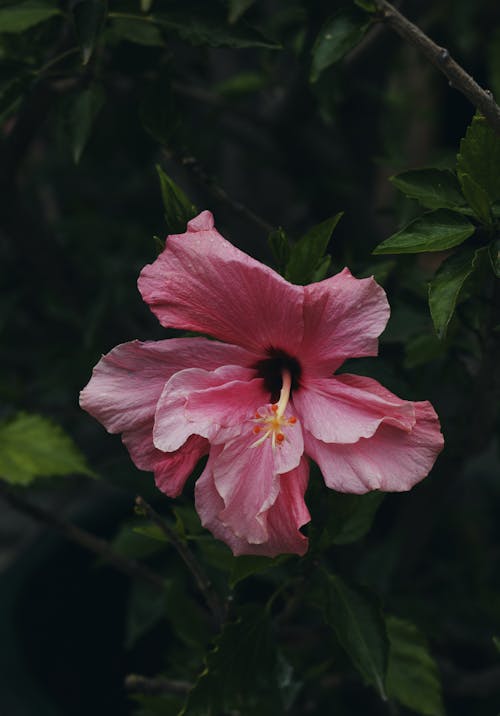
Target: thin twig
point(440, 57)
point(191, 163)
point(202, 581)
point(156, 685)
point(85, 539)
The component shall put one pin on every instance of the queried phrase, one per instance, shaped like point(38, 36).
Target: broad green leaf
point(350, 517)
point(241, 672)
point(89, 17)
point(446, 285)
point(307, 255)
point(246, 566)
point(84, 108)
point(412, 675)
point(140, 30)
point(152, 532)
point(340, 34)
point(178, 208)
point(494, 254)
point(360, 628)
point(433, 188)
point(237, 8)
point(20, 16)
point(280, 247)
point(209, 27)
point(479, 156)
point(476, 197)
point(146, 607)
point(32, 446)
point(435, 231)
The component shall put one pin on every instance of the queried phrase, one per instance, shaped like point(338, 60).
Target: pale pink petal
point(200, 402)
point(392, 460)
point(344, 408)
point(171, 470)
point(282, 520)
point(343, 317)
point(201, 282)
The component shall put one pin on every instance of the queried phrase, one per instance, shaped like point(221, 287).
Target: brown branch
point(83, 538)
point(156, 685)
point(440, 57)
point(202, 581)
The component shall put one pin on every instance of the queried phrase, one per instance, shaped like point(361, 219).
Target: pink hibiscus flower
point(263, 397)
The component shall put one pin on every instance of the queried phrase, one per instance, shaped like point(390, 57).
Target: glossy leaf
point(307, 255)
point(435, 231)
point(82, 114)
point(445, 288)
point(433, 188)
point(359, 625)
point(89, 17)
point(479, 156)
point(340, 34)
point(477, 198)
point(19, 16)
point(178, 208)
point(412, 675)
point(32, 446)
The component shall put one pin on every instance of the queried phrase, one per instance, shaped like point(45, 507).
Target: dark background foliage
point(219, 94)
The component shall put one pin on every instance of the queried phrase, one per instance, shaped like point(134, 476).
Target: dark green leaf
point(412, 675)
point(135, 542)
point(280, 247)
point(178, 208)
point(32, 446)
point(246, 566)
point(12, 88)
point(359, 625)
point(209, 27)
point(422, 349)
point(479, 156)
point(476, 197)
point(139, 30)
point(435, 231)
point(20, 16)
point(380, 270)
point(433, 188)
point(367, 5)
point(241, 84)
point(340, 34)
point(494, 254)
point(82, 113)
point(350, 517)
point(146, 607)
point(237, 8)
point(445, 287)
point(241, 671)
point(89, 17)
point(307, 255)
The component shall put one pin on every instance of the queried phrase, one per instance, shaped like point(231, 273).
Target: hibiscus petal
point(283, 519)
point(345, 408)
point(343, 317)
point(171, 470)
point(200, 402)
point(203, 283)
point(392, 460)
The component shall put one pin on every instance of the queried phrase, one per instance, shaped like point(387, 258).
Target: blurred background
point(228, 99)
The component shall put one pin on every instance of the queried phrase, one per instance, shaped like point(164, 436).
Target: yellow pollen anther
point(273, 420)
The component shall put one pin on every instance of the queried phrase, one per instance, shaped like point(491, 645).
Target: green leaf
point(479, 156)
point(241, 84)
point(350, 517)
point(241, 672)
point(12, 89)
point(494, 254)
point(356, 617)
point(178, 208)
point(135, 542)
point(20, 16)
point(433, 188)
point(340, 34)
point(32, 446)
point(307, 254)
point(82, 112)
point(477, 198)
point(280, 247)
point(446, 286)
point(139, 30)
point(237, 8)
point(208, 26)
point(435, 231)
point(152, 532)
point(412, 675)
point(247, 566)
point(146, 607)
point(89, 17)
